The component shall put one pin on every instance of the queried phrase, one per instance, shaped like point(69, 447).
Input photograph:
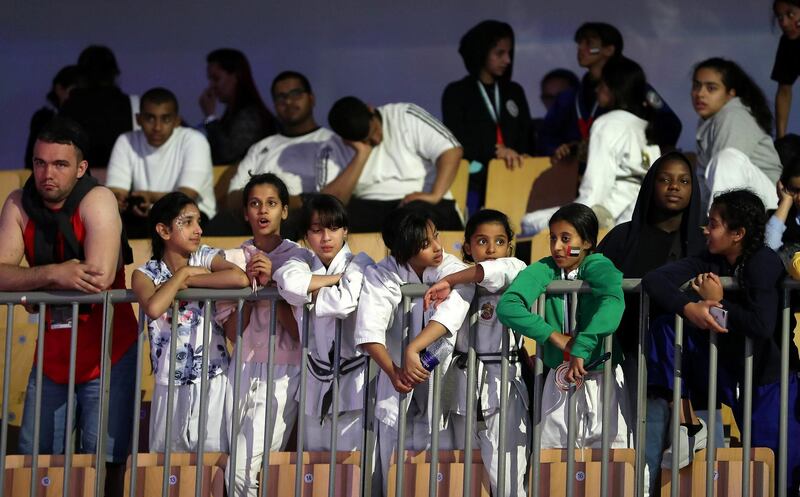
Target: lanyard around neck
point(494, 111)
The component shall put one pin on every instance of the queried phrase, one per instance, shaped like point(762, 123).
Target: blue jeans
point(53, 418)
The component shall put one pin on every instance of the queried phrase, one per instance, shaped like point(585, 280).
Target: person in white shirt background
point(402, 155)
point(162, 157)
point(305, 155)
point(620, 149)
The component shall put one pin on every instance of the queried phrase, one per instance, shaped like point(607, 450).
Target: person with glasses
point(305, 155)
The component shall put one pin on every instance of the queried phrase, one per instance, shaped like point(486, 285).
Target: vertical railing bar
point(606, 438)
point(173, 350)
point(433, 483)
point(268, 421)
point(783, 419)
point(301, 425)
point(337, 356)
point(676, 406)
point(471, 386)
point(404, 402)
point(368, 427)
point(711, 449)
point(536, 444)
point(68, 439)
point(572, 414)
point(37, 406)
point(236, 409)
point(641, 392)
point(202, 422)
point(6, 389)
point(505, 386)
point(748, 415)
point(105, 390)
point(137, 400)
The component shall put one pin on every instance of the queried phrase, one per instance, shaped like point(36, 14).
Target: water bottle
point(435, 353)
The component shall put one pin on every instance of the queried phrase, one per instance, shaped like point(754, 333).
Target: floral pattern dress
point(189, 351)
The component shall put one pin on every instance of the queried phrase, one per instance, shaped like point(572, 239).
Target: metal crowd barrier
point(410, 292)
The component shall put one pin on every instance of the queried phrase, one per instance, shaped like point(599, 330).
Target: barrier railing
point(367, 463)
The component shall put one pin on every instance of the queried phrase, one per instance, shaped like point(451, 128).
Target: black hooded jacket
point(464, 110)
point(637, 247)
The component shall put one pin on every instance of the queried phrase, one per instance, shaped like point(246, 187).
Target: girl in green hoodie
point(565, 349)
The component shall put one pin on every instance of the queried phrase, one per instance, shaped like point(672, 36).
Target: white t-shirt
point(306, 163)
point(405, 161)
point(184, 160)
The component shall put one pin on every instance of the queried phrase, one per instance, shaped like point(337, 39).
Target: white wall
point(380, 51)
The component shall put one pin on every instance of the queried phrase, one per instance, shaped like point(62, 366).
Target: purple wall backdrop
point(381, 51)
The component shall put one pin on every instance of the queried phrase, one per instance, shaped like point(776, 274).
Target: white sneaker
point(687, 446)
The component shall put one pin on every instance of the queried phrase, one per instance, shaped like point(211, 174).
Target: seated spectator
point(620, 149)
point(403, 155)
point(160, 158)
point(100, 107)
point(304, 155)
point(555, 82)
point(734, 142)
point(552, 85)
point(783, 228)
point(65, 81)
point(573, 113)
point(246, 119)
point(486, 111)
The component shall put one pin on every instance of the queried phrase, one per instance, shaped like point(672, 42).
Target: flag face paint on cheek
point(573, 251)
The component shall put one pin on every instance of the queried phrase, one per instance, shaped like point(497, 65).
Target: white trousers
point(488, 440)
point(731, 169)
point(185, 428)
point(589, 409)
point(349, 432)
point(252, 414)
point(418, 437)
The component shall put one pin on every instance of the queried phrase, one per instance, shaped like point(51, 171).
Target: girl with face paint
point(572, 331)
point(180, 261)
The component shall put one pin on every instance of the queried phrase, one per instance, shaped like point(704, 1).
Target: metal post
point(405, 400)
point(268, 421)
point(471, 386)
point(676, 406)
point(572, 428)
point(337, 356)
point(6, 386)
point(433, 482)
point(301, 429)
point(202, 424)
point(173, 349)
point(68, 442)
point(606, 438)
point(37, 406)
point(748, 414)
point(641, 391)
point(783, 420)
point(236, 410)
point(536, 444)
point(505, 386)
point(137, 401)
point(368, 426)
point(711, 450)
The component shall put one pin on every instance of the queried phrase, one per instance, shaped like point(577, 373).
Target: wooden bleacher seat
point(369, 243)
point(315, 473)
point(553, 473)
point(222, 179)
point(183, 467)
point(50, 476)
point(9, 181)
point(460, 186)
point(508, 190)
point(692, 479)
point(451, 468)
